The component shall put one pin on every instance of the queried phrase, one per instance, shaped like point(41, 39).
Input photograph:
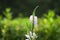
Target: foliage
point(15, 29)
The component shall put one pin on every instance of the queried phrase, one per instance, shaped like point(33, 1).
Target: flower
point(29, 36)
point(26, 39)
point(35, 20)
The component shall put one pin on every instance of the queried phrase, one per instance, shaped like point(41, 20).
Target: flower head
point(35, 20)
point(29, 36)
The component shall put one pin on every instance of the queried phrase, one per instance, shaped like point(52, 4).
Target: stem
point(35, 10)
point(33, 18)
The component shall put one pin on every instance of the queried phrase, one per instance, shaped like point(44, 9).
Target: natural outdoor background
point(26, 6)
point(15, 19)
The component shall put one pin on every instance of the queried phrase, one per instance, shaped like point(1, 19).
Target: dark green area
point(26, 6)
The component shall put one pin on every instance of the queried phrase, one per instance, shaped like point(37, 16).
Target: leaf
point(51, 13)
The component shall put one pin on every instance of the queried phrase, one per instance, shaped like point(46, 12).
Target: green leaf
point(51, 13)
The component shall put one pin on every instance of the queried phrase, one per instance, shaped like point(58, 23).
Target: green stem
point(33, 18)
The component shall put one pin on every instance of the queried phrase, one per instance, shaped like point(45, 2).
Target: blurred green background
point(15, 23)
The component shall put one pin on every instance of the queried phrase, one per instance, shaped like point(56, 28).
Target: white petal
point(26, 39)
point(30, 34)
point(34, 34)
point(27, 36)
point(35, 20)
point(31, 18)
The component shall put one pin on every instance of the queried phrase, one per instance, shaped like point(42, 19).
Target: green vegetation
point(15, 29)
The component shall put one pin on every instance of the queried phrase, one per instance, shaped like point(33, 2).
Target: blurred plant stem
point(33, 19)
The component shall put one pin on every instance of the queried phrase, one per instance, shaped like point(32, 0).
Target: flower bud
point(35, 20)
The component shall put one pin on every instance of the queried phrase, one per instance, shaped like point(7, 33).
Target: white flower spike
point(35, 20)
point(29, 36)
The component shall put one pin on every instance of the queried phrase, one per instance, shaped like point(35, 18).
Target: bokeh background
point(26, 6)
point(15, 19)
